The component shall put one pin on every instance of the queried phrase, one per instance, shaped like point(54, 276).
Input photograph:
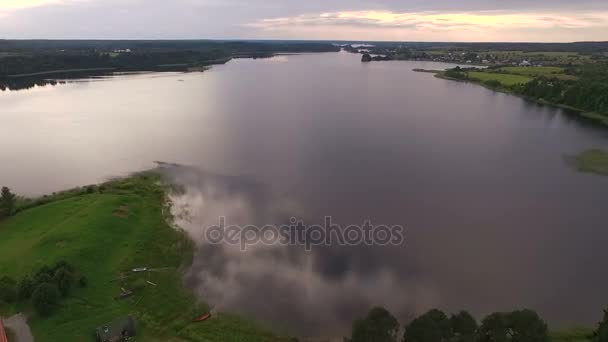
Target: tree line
point(587, 92)
point(45, 289)
point(26, 57)
point(435, 326)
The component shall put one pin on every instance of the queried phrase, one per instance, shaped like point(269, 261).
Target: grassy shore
point(593, 161)
point(501, 82)
point(103, 233)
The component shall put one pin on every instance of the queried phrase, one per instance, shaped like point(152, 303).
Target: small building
point(118, 330)
point(525, 63)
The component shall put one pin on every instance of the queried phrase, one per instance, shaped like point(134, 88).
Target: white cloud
point(466, 25)
point(9, 5)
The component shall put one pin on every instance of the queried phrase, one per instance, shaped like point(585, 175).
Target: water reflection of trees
point(26, 83)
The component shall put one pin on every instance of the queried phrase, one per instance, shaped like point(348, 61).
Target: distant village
point(489, 58)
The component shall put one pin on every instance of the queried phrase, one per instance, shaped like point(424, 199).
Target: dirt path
point(18, 325)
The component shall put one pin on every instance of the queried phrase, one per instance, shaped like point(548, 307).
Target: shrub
point(83, 281)
point(8, 289)
point(63, 264)
point(25, 288)
point(63, 278)
point(45, 299)
point(42, 278)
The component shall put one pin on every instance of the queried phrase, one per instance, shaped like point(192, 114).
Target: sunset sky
point(401, 20)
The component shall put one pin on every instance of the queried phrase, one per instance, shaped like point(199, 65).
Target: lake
point(495, 218)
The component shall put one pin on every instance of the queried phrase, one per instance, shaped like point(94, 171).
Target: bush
point(45, 299)
point(83, 281)
point(8, 289)
point(25, 288)
point(44, 270)
point(63, 278)
point(42, 278)
point(63, 264)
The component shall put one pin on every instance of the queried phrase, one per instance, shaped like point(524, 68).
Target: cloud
point(438, 21)
point(9, 5)
point(271, 282)
point(487, 20)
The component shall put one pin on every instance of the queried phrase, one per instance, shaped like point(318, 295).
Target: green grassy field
point(545, 71)
point(533, 71)
point(103, 234)
point(504, 79)
point(572, 335)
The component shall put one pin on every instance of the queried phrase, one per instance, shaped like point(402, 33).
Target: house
point(525, 63)
point(118, 330)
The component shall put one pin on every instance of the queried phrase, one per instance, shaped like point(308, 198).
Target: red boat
point(202, 318)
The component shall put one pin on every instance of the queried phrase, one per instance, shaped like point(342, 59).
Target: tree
point(63, 278)
point(83, 281)
point(494, 328)
point(601, 334)
point(45, 298)
point(517, 326)
point(44, 275)
point(8, 289)
point(433, 326)
point(464, 327)
point(7, 201)
point(527, 326)
point(378, 326)
point(25, 288)
point(366, 58)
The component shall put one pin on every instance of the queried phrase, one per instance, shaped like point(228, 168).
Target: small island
point(593, 161)
point(366, 58)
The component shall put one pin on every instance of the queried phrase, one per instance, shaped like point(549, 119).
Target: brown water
point(495, 219)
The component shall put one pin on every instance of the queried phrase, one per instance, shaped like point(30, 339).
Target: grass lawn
point(546, 71)
point(593, 161)
point(533, 71)
point(572, 335)
point(504, 79)
point(103, 234)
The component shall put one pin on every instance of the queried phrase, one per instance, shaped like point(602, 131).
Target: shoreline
point(591, 117)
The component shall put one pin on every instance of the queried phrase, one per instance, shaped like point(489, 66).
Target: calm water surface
point(495, 219)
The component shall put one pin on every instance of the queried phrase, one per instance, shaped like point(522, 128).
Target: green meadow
point(504, 79)
point(104, 234)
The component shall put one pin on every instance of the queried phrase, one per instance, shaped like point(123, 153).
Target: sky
point(377, 20)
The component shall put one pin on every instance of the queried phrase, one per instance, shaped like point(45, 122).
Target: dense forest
point(588, 92)
point(25, 63)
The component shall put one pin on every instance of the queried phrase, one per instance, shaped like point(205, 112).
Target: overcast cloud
point(409, 20)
